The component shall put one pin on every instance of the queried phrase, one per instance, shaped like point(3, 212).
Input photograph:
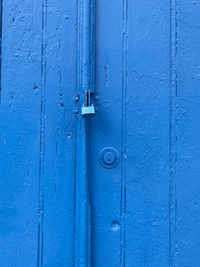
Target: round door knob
point(109, 157)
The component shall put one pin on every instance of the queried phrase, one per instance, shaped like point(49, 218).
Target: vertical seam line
point(1, 36)
point(124, 133)
point(42, 138)
point(76, 129)
point(173, 133)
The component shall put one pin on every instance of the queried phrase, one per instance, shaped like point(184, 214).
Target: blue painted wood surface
point(146, 210)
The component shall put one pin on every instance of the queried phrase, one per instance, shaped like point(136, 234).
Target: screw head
point(76, 98)
point(115, 226)
point(76, 111)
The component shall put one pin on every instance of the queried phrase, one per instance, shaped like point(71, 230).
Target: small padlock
point(88, 107)
point(88, 110)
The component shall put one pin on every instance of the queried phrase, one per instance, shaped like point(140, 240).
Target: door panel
point(57, 185)
point(133, 86)
point(147, 133)
point(187, 134)
point(38, 133)
point(20, 133)
point(143, 140)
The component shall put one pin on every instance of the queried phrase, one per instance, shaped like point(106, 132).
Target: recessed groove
point(124, 133)
point(172, 133)
point(1, 36)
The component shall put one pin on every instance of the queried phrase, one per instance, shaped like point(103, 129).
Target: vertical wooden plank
point(105, 131)
point(60, 130)
point(146, 133)
point(187, 247)
point(20, 132)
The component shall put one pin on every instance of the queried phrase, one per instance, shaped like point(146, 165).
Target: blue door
point(100, 133)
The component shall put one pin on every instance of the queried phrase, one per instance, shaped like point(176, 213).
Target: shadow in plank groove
point(1, 17)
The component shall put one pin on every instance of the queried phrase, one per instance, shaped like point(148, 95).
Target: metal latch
point(88, 107)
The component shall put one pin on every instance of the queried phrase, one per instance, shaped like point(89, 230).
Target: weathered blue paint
point(60, 204)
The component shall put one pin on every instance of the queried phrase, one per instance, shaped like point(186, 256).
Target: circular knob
point(109, 157)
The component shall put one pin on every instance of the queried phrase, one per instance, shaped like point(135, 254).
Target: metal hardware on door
point(88, 107)
point(76, 98)
point(109, 157)
point(86, 69)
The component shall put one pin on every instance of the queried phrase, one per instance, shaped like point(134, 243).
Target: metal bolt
point(115, 226)
point(76, 111)
point(76, 98)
